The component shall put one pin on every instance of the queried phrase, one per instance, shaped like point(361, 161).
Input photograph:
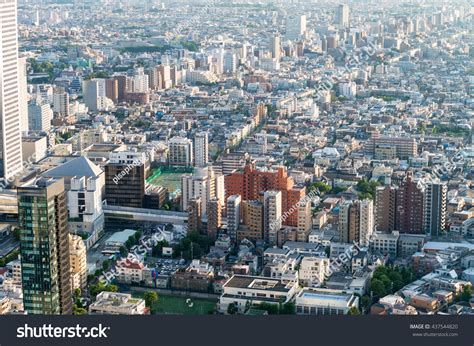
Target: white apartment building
point(272, 203)
point(201, 149)
point(233, 215)
point(313, 270)
point(180, 152)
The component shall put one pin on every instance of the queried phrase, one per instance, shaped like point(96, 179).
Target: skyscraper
point(44, 244)
point(201, 149)
point(10, 122)
point(296, 27)
point(275, 46)
point(385, 208)
point(342, 16)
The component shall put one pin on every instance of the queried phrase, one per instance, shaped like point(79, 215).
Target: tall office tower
point(272, 215)
point(304, 221)
point(385, 209)
point(435, 208)
point(409, 211)
point(111, 89)
point(180, 152)
point(61, 102)
point(230, 62)
point(23, 84)
point(233, 215)
point(78, 262)
point(275, 46)
point(95, 96)
point(367, 222)
point(349, 222)
point(44, 244)
point(201, 149)
point(40, 115)
point(125, 179)
point(195, 214)
point(342, 16)
point(214, 217)
point(295, 27)
point(10, 122)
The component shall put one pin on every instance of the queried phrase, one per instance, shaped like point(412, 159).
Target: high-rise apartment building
point(435, 208)
point(234, 203)
point(385, 208)
point(195, 214)
point(10, 122)
point(272, 202)
point(78, 262)
point(253, 219)
point(214, 217)
point(250, 183)
point(180, 152)
point(201, 149)
point(410, 207)
point(44, 244)
point(61, 102)
point(40, 115)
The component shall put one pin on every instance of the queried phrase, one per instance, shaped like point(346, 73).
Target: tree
point(378, 288)
point(150, 298)
point(78, 311)
point(106, 265)
point(288, 309)
point(466, 293)
point(77, 293)
point(232, 309)
point(353, 311)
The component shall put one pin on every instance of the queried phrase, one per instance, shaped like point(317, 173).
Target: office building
point(10, 111)
point(342, 16)
point(44, 243)
point(275, 46)
point(125, 179)
point(295, 27)
point(112, 303)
